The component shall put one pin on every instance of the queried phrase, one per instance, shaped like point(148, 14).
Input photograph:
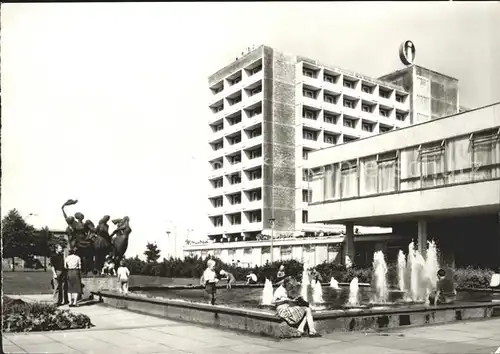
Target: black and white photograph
point(250, 177)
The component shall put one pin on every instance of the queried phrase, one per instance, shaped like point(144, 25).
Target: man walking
point(58, 275)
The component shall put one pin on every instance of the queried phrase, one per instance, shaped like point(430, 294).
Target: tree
point(17, 236)
point(152, 252)
point(46, 242)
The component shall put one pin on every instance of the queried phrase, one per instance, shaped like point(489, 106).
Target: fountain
point(353, 293)
point(334, 284)
point(430, 269)
point(317, 293)
point(305, 283)
point(401, 270)
point(380, 277)
point(267, 293)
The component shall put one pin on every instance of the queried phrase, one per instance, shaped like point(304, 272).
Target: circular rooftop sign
point(407, 52)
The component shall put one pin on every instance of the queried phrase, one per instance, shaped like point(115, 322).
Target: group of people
point(67, 277)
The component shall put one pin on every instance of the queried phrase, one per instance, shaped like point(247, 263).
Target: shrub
point(20, 316)
point(473, 278)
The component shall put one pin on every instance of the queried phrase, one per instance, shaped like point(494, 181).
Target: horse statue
point(119, 239)
point(92, 244)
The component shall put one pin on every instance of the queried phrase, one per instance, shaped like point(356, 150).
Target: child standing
point(123, 274)
point(209, 280)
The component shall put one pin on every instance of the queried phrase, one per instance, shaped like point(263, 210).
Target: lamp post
point(271, 221)
point(168, 237)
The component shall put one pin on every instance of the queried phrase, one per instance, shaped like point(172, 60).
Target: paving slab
point(123, 332)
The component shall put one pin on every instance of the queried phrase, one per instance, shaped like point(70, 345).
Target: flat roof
point(304, 59)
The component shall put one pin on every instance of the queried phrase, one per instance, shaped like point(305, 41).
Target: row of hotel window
point(464, 159)
point(236, 139)
point(235, 199)
point(348, 103)
point(352, 84)
point(236, 159)
point(236, 178)
point(334, 98)
point(238, 97)
point(250, 112)
point(235, 219)
point(235, 79)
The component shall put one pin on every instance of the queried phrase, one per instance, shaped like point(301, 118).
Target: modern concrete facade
point(439, 179)
point(269, 111)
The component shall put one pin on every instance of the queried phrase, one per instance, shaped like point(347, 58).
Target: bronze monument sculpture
point(94, 244)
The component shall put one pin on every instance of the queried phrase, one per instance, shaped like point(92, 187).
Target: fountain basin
point(263, 321)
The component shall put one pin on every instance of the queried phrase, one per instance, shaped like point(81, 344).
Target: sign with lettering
point(407, 52)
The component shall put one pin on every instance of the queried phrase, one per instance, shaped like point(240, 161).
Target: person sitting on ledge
point(445, 290)
point(251, 278)
point(281, 274)
point(294, 310)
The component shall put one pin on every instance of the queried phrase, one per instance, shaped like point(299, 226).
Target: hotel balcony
point(333, 87)
point(231, 109)
point(231, 188)
point(214, 117)
point(249, 101)
point(314, 103)
point(353, 112)
point(216, 173)
point(215, 230)
point(213, 211)
point(214, 154)
point(232, 208)
point(250, 163)
point(214, 192)
point(232, 129)
point(232, 168)
point(230, 149)
point(252, 184)
point(249, 80)
point(249, 122)
point(311, 144)
point(212, 136)
point(316, 124)
point(252, 226)
point(253, 205)
point(252, 142)
point(333, 107)
point(231, 229)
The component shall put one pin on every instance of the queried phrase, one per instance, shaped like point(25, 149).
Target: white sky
point(107, 103)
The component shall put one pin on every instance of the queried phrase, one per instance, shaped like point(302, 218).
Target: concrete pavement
point(124, 332)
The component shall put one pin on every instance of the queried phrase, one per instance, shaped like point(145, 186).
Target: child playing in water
point(445, 292)
point(229, 277)
point(209, 279)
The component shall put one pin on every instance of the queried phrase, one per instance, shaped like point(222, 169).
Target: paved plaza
point(123, 332)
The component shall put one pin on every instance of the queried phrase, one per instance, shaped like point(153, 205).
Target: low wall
point(268, 324)
point(92, 284)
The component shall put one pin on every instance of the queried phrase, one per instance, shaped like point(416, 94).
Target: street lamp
point(271, 221)
point(168, 237)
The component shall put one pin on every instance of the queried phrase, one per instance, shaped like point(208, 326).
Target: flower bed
point(20, 316)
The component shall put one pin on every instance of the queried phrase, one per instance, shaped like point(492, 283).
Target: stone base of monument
point(97, 283)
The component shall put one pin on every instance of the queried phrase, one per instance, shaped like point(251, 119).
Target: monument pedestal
point(98, 283)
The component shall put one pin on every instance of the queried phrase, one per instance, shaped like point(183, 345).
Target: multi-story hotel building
point(268, 111)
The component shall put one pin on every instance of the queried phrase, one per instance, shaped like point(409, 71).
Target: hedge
point(193, 267)
point(20, 316)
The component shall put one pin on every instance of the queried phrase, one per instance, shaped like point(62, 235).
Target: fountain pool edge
point(268, 324)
